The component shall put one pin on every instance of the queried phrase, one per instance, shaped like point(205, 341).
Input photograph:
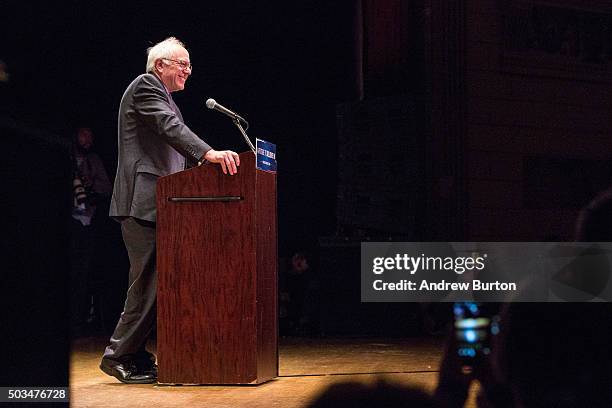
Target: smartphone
point(473, 327)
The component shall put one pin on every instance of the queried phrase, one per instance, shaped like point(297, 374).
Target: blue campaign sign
point(266, 155)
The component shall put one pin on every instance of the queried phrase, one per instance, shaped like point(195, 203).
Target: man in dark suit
point(153, 142)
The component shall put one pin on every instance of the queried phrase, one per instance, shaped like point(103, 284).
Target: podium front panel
point(216, 297)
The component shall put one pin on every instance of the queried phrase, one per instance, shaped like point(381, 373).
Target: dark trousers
point(139, 312)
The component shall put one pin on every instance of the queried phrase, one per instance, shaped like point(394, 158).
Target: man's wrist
point(203, 158)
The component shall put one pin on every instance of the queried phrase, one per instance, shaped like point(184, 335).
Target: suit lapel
point(173, 106)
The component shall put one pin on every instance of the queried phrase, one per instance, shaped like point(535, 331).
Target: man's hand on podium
point(228, 160)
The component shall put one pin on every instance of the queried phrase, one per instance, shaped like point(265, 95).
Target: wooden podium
point(217, 276)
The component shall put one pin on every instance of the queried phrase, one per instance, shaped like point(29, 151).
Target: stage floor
point(306, 367)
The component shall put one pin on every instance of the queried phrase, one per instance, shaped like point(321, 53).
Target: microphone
point(212, 104)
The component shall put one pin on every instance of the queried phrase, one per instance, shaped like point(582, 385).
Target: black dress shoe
point(152, 370)
point(147, 367)
point(128, 373)
point(145, 363)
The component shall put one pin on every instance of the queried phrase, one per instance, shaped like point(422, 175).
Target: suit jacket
point(153, 142)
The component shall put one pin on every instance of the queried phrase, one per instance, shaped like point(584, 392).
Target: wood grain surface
point(217, 280)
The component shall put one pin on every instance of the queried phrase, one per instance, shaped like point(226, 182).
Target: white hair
point(163, 49)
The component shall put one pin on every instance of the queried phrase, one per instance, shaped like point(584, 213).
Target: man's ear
point(159, 65)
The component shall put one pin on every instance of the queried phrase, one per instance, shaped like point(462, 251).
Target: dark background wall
point(538, 93)
point(520, 116)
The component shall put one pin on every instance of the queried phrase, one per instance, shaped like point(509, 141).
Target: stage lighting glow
point(470, 336)
point(466, 352)
point(472, 323)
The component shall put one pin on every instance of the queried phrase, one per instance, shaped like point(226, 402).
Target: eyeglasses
point(183, 64)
